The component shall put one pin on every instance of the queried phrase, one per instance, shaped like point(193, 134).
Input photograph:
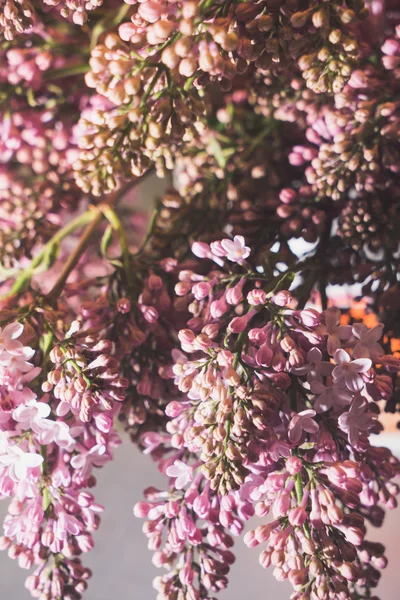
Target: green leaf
point(31, 98)
point(49, 257)
point(307, 446)
point(281, 283)
point(106, 240)
point(116, 263)
point(45, 342)
point(217, 153)
point(7, 273)
point(46, 502)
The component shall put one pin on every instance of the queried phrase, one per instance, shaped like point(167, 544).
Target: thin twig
point(75, 257)
point(26, 275)
point(87, 237)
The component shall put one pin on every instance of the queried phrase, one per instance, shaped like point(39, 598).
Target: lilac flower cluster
point(37, 138)
point(214, 338)
point(46, 464)
point(157, 72)
point(280, 403)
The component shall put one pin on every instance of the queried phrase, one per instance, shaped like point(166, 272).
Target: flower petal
point(32, 460)
point(13, 330)
point(361, 365)
point(332, 317)
point(341, 357)
point(354, 382)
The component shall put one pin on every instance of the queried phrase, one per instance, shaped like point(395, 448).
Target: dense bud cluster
point(369, 220)
point(162, 65)
point(16, 17)
point(38, 144)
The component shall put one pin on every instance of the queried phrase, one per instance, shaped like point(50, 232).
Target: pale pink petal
point(228, 246)
point(341, 357)
point(63, 409)
point(317, 387)
point(239, 240)
point(19, 470)
point(343, 331)
point(78, 461)
point(359, 329)
point(333, 344)
point(375, 333)
point(32, 460)
point(358, 403)
point(354, 381)
point(361, 351)
point(314, 355)
point(310, 426)
point(13, 330)
point(14, 346)
point(361, 365)
point(6, 460)
point(332, 317)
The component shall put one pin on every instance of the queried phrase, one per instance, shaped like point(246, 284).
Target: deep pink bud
point(281, 504)
point(201, 290)
point(239, 324)
point(310, 317)
point(174, 409)
point(201, 250)
point(390, 47)
point(234, 295)
point(219, 307)
point(256, 297)
point(294, 465)
point(141, 509)
point(287, 195)
point(265, 559)
point(282, 298)
point(151, 10)
point(123, 305)
point(297, 516)
point(186, 337)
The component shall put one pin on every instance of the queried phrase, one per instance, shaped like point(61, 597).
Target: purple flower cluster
point(215, 338)
point(279, 404)
point(45, 465)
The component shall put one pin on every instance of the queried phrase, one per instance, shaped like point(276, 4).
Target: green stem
point(298, 486)
point(116, 224)
point(189, 82)
point(24, 278)
point(151, 87)
point(86, 239)
point(238, 350)
point(45, 490)
point(76, 255)
point(150, 231)
point(67, 72)
point(108, 22)
point(74, 364)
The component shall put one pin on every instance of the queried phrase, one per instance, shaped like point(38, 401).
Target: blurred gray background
point(122, 563)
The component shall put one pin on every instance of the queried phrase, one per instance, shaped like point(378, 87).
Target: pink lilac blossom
point(214, 338)
point(41, 460)
point(238, 424)
point(349, 372)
